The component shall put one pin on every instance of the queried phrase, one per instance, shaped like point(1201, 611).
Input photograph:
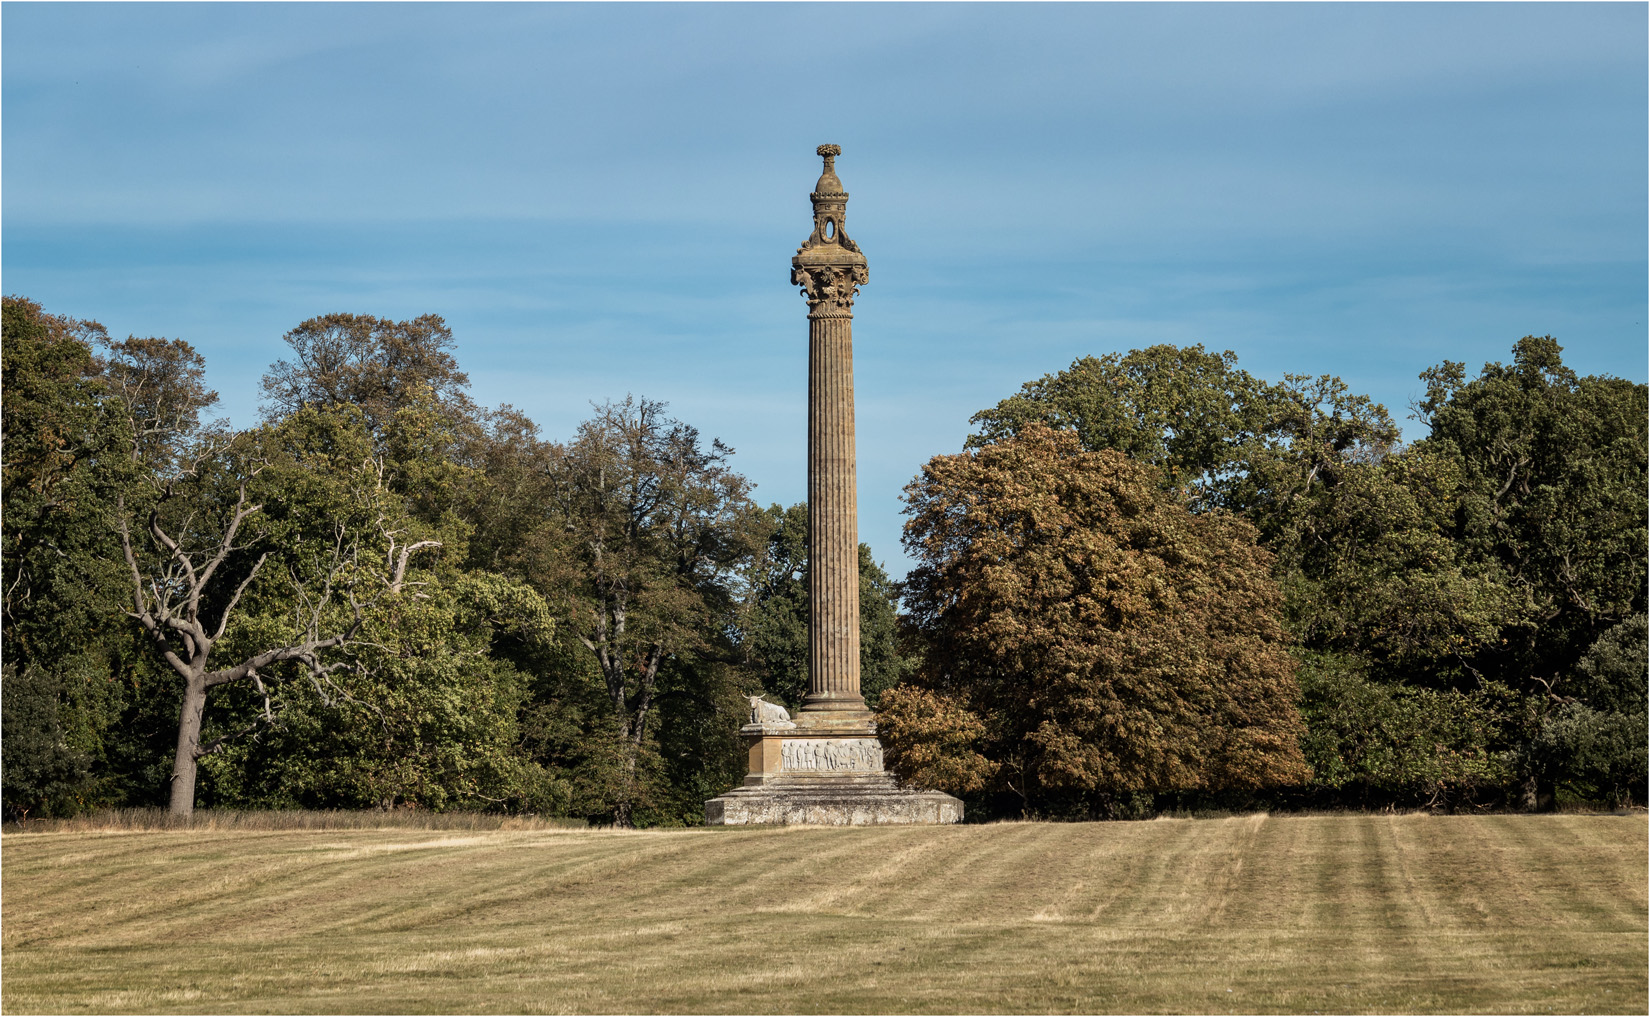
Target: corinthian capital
point(829, 267)
point(830, 289)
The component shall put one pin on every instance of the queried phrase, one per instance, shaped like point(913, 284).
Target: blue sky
point(604, 200)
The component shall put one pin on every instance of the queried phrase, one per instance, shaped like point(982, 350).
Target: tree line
point(1153, 577)
point(1148, 579)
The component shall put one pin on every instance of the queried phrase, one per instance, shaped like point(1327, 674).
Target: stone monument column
point(830, 268)
point(824, 766)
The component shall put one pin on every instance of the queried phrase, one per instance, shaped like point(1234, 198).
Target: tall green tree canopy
point(1552, 493)
point(1193, 414)
point(67, 459)
point(374, 363)
point(642, 552)
point(161, 385)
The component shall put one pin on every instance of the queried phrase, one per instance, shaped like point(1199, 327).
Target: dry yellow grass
point(1250, 914)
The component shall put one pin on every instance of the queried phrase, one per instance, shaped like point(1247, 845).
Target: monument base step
point(861, 800)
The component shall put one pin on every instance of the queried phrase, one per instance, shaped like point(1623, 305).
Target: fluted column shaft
point(830, 269)
point(833, 525)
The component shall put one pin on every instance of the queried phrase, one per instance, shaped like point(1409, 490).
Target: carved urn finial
point(829, 266)
point(828, 183)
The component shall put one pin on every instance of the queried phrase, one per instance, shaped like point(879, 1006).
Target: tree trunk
point(189, 741)
point(622, 811)
point(1539, 795)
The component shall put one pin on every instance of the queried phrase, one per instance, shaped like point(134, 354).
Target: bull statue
point(764, 712)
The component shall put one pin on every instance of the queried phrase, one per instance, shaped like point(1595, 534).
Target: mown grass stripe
point(1254, 914)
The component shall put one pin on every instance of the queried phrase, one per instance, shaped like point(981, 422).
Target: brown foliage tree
point(1105, 638)
point(933, 740)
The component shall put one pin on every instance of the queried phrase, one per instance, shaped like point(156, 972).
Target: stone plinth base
point(869, 800)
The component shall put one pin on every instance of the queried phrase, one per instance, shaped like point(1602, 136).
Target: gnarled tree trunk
point(189, 742)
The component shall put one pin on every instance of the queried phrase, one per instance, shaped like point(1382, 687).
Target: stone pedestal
point(826, 767)
point(802, 774)
point(874, 800)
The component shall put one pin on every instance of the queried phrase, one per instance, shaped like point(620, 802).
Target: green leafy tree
point(305, 498)
point(1614, 675)
point(1553, 499)
point(425, 716)
point(1372, 742)
point(1594, 755)
point(883, 662)
point(472, 483)
point(1553, 495)
point(67, 461)
point(515, 472)
point(1108, 640)
point(775, 632)
point(160, 387)
point(1368, 564)
point(1590, 740)
point(648, 536)
point(703, 700)
point(1191, 413)
point(495, 495)
point(373, 363)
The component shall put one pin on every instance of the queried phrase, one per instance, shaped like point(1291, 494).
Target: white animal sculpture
point(764, 712)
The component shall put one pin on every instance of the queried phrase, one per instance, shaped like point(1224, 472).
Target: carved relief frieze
point(840, 755)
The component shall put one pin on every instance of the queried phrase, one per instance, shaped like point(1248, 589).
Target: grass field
point(1256, 913)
